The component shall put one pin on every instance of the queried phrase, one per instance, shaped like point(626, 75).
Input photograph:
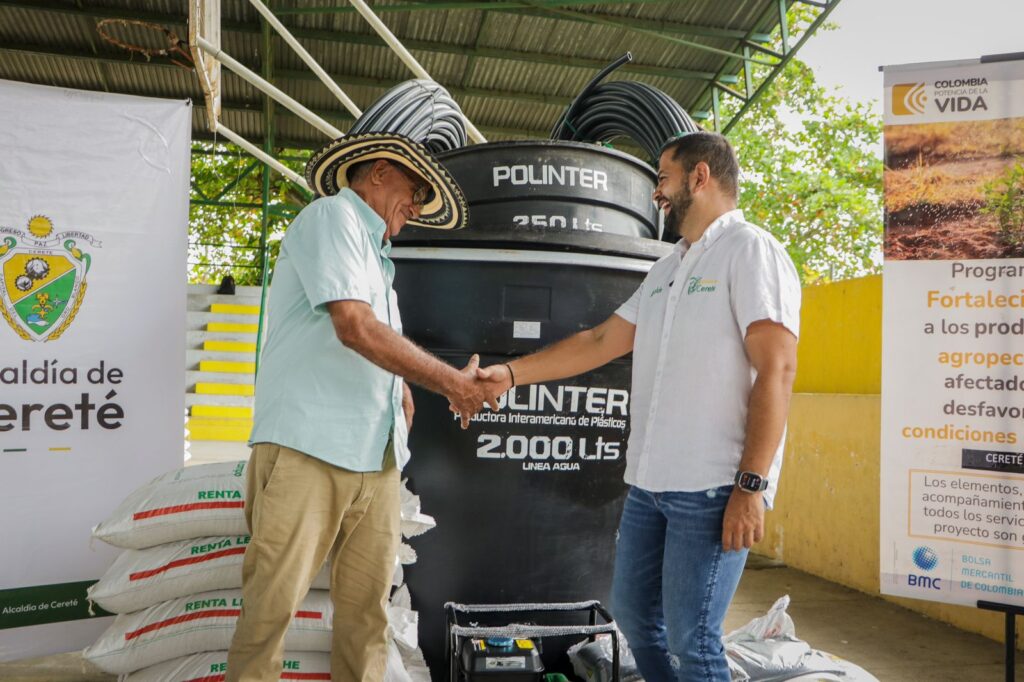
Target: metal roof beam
point(347, 37)
point(286, 74)
point(434, 5)
point(667, 28)
point(818, 21)
point(614, 22)
point(536, 8)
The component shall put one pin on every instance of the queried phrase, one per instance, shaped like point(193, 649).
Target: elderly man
point(332, 408)
point(713, 330)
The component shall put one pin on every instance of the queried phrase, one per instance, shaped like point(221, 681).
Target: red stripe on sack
point(141, 575)
point(208, 678)
point(181, 508)
point(184, 618)
point(215, 613)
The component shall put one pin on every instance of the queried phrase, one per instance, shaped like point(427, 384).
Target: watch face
point(750, 481)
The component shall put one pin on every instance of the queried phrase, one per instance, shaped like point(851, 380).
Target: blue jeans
point(673, 583)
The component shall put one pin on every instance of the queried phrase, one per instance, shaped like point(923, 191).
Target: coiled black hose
point(605, 111)
point(422, 110)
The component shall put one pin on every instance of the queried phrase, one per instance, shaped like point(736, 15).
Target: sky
point(875, 33)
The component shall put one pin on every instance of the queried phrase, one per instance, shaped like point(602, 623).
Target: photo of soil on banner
point(954, 191)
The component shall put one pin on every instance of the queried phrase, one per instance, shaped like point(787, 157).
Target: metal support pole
point(1010, 635)
point(1011, 612)
point(384, 32)
point(269, 18)
point(234, 183)
point(716, 109)
point(748, 73)
point(261, 155)
point(784, 25)
point(735, 93)
point(820, 19)
point(263, 86)
point(268, 149)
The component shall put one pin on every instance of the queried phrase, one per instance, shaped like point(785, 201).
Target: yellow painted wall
point(840, 347)
point(826, 516)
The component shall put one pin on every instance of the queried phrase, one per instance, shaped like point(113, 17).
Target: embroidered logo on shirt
point(698, 285)
point(656, 291)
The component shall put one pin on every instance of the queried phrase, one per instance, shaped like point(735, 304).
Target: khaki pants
point(301, 511)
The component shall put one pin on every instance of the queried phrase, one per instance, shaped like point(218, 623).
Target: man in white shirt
point(713, 330)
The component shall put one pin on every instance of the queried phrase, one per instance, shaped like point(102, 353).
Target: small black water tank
point(549, 186)
point(527, 500)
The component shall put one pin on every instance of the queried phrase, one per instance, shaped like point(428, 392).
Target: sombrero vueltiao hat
point(327, 174)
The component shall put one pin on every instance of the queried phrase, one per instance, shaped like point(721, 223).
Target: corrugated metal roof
point(513, 66)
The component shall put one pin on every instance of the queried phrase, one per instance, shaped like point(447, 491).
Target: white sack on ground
point(414, 522)
point(192, 502)
point(210, 666)
point(201, 622)
point(202, 501)
point(140, 578)
point(414, 663)
point(767, 650)
point(406, 556)
point(395, 670)
point(403, 629)
point(403, 622)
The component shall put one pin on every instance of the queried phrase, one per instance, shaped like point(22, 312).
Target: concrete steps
point(221, 362)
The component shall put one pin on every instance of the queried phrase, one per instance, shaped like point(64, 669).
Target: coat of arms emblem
point(42, 278)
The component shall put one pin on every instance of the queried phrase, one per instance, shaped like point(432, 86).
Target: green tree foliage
point(225, 219)
point(812, 175)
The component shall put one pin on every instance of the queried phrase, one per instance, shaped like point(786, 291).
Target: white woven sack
point(201, 501)
point(140, 578)
point(212, 665)
point(192, 502)
point(200, 622)
point(414, 522)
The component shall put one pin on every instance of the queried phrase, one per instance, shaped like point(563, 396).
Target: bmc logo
point(924, 581)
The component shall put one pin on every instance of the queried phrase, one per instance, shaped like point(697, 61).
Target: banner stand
point(1011, 611)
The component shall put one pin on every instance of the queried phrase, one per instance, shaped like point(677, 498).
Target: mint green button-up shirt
point(313, 394)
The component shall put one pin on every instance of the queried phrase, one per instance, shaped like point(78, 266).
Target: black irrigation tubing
point(565, 120)
point(422, 110)
point(605, 111)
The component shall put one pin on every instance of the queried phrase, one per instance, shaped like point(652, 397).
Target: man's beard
point(679, 206)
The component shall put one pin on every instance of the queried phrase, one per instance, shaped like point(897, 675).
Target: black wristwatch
point(749, 482)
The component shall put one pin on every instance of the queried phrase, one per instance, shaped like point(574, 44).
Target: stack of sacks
point(177, 587)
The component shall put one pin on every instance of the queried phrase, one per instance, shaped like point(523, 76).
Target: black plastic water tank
point(551, 186)
point(527, 500)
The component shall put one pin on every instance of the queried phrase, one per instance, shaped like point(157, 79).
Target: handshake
point(475, 387)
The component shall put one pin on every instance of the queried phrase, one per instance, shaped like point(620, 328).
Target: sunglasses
point(423, 192)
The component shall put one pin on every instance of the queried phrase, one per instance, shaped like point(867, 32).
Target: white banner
point(93, 239)
point(952, 469)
